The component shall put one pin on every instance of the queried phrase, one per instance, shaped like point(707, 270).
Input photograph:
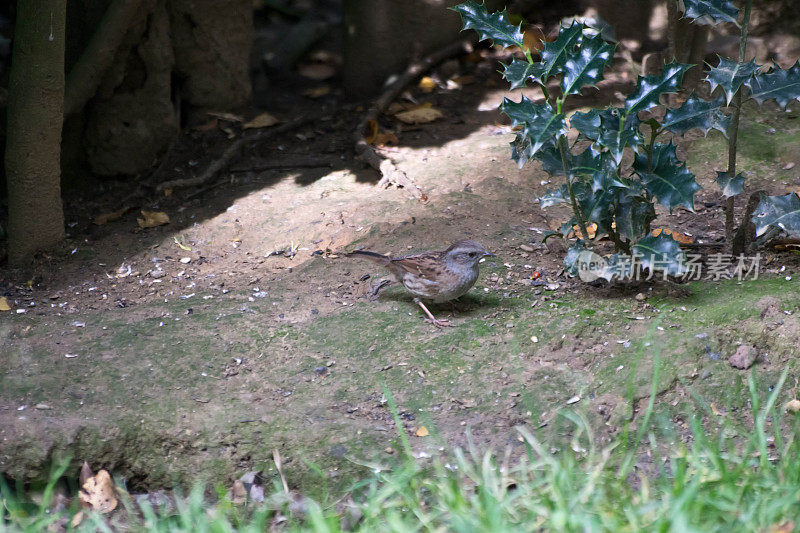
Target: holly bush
point(615, 199)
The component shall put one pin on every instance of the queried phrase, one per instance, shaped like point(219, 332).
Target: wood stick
point(231, 152)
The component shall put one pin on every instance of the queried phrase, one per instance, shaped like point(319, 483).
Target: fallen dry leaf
point(98, 494)
point(316, 71)
point(105, 218)
point(371, 131)
point(239, 493)
point(591, 229)
point(677, 235)
point(4, 304)
point(77, 519)
point(229, 117)
point(212, 124)
point(422, 432)
point(420, 115)
point(792, 406)
point(264, 120)
point(427, 84)
point(382, 139)
point(466, 79)
point(317, 92)
point(151, 219)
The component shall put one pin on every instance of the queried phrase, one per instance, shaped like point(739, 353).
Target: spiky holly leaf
point(554, 197)
point(633, 216)
point(554, 54)
point(710, 12)
point(618, 131)
point(494, 26)
point(587, 123)
point(550, 158)
point(669, 180)
point(782, 212)
point(599, 166)
point(661, 252)
point(730, 186)
point(781, 85)
point(650, 88)
point(585, 66)
point(729, 75)
point(697, 113)
point(571, 259)
point(520, 71)
point(541, 124)
point(596, 207)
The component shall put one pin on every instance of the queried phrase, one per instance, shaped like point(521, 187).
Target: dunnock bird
point(435, 276)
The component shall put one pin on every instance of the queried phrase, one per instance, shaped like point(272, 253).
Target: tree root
point(390, 173)
point(231, 152)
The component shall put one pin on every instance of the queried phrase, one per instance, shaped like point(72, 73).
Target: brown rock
point(744, 357)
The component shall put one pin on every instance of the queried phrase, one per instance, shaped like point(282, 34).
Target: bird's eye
point(472, 254)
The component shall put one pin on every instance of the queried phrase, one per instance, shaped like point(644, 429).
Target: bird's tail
point(372, 256)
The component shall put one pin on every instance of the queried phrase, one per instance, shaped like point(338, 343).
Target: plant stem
point(563, 148)
point(733, 131)
point(653, 134)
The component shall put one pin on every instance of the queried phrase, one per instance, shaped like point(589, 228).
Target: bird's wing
point(428, 266)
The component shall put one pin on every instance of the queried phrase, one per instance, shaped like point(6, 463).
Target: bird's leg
point(432, 319)
point(378, 288)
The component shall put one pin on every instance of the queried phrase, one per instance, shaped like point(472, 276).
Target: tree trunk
point(35, 116)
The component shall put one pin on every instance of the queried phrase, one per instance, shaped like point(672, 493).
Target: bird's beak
point(488, 254)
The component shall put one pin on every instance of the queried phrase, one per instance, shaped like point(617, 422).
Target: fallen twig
point(390, 173)
point(231, 152)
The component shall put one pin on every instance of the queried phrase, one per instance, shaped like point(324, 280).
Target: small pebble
point(526, 248)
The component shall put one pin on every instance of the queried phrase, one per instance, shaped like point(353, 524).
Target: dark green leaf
point(781, 85)
point(661, 252)
point(729, 75)
point(494, 26)
point(550, 157)
point(782, 212)
point(650, 88)
point(585, 66)
point(697, 113)
point(588, 123)
point(520, 71)
point(633, 216)
point(614, 135)
point(554, 197)
point(669, 180)
point(710, 12)
point(730, 186)
point(599, 166)
point(554, 54)
point(571, 259)
point(541, 124)
point(596, 207)
point(619, 266)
